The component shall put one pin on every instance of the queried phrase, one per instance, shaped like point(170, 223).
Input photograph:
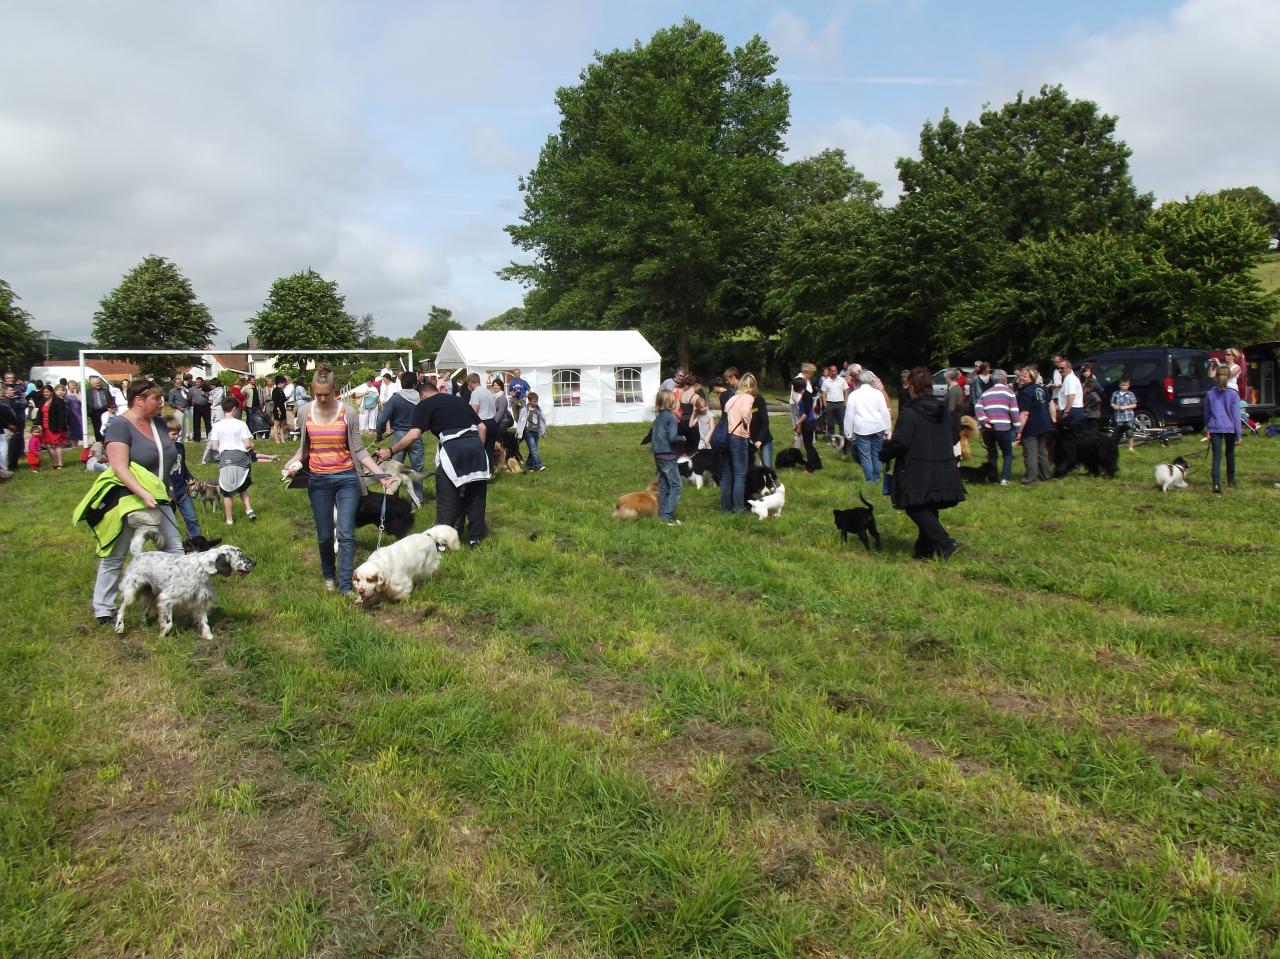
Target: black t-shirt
point(443, 414)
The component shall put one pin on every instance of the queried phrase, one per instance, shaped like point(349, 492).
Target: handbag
point(886, 482)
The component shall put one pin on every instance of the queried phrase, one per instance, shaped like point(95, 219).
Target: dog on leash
point(969, 429)
point(206, 493)
point(402, 477)
point(1172, 475)
point(760, 479)
point(861, 521)
point(637, 505)
point(694, 467)
point(986, 473)
point(393, 571)
point(770, 504)
point(789, 459)
point(169, 583)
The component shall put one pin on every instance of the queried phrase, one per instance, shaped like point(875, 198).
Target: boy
point(1123, 403)
point(180, 479)
point(532, 427)
point(231, 440)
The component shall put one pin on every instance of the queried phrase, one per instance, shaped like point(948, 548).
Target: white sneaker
point(231, 522)
point(330, 585)
point(1004, 482)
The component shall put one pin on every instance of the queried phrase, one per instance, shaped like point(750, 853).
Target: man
point(10, 429)
point(866, 422)
point(955, 403)
point(517, 386)
point(1070, 396)
point(481, 402)
point(462, 470)
point(200, 415)
point(97, 401)
point(397, 413)
point(17, 400)
point(1035, 424)
point(180, 400)
point(834, 390)
point(996, 410)
point(730, 379)
point(674, 383)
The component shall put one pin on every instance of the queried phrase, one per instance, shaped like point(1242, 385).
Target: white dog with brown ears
point(393, 571)
point(1172, 475)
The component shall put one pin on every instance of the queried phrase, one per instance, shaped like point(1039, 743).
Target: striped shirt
point(997, 408)
point(328, 445)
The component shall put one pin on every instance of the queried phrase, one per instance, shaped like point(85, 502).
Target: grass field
point(726, 739)
point(1268, 274)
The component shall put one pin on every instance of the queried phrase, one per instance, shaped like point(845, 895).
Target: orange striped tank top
point(328, 445)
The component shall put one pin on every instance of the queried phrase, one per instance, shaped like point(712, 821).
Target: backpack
point(720, 435)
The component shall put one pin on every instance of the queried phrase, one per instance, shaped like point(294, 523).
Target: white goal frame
point(406, 364)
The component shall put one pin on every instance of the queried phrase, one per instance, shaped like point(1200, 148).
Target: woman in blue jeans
point(330, 447)
point(733, 465)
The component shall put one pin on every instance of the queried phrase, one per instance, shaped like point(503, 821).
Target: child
point(532, 427)
point(231, 440)
point(703, 422)
point(1123, 403)
point(94, 458)
point(34, 449)
point(180, 479)
point(666, 445)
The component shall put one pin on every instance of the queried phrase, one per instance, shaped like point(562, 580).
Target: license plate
point(1189, 400)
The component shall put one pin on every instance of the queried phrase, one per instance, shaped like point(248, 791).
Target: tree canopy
point(19, 345)
point(1265, 210)
point(154, 308)
point(516, 318)
point(646, 207)
point(304, 311)
point(430, 336)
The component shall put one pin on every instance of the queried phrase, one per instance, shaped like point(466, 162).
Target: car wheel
point(1145, 420)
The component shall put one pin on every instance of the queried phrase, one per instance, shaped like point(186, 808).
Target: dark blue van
point(1169, 382)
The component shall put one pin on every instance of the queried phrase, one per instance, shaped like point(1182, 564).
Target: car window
point(1109, 371)
point(1146, 371)
point(1194, 366)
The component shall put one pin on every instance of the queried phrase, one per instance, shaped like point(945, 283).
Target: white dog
point(393, 571)
point(169, 583)
point(770, 504)
point(1172, 475)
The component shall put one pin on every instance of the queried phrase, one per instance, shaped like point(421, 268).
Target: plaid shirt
point(1123, 398)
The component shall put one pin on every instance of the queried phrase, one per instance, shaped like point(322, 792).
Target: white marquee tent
point(580, 376)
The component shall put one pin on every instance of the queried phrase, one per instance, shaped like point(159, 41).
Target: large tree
point(19, 345)
point(1264, 209)
point(515, 318)
point(154, 308)
point(645, 207)
point(304, 311)
point(440, 322)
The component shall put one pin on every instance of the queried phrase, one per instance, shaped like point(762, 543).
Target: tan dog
point(969, 429)
point(636, 505)
point(513, 466)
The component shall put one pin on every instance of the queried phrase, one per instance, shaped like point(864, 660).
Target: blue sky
point(381, 144)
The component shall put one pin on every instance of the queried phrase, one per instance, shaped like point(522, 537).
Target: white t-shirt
point(1070, 391)
point(834, 389)
point(230, 434)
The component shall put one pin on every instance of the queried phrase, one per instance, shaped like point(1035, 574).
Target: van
point(61, 371)
point(1168, 382)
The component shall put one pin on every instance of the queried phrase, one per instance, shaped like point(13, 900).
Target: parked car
point(1169, 383)
point(940, 380)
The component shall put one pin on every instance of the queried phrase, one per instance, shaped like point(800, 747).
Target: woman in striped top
point(330, 448)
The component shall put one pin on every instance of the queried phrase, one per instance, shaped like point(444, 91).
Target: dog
point(968, 430)
point(861, 521)
point(770, 504)
point(402, 477)
point(760, 480)
point(636, 505)
point(508, 449)
point(1172, 475)
point(789, 459)
point(986, 473)
point(694, 467)
point(512, 465)
point(1096, 452)
point(145, 524)
point(170, 583)
point(206, 493)
point(398, 520)
point(198, 544)
point(393, 571)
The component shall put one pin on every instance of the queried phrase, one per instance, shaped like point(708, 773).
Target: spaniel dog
point(393, 571)
point(169, 583)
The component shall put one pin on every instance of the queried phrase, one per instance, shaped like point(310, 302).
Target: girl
point(231, 440)
point(666, 447)
point(703, 423)
point(806, 423)
point(279, 410)
point(34, 449)
point(1222, 423)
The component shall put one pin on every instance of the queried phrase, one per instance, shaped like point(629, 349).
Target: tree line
point(663, 203)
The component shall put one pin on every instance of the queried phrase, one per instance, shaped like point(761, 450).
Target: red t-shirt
point(238, 395)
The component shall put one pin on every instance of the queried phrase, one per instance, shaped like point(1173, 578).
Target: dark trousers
point(1220, 442)
point(95, 420)
point(733, 475)
point(490, 438)
point(1000, 441)
point(200, 414)
point(812, 460)
point(16, 448)
point(461, 506)
point(933, 539)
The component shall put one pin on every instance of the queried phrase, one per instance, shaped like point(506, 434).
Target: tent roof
point(530, 349)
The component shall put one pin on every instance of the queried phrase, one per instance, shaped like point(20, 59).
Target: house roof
point(114, 368)
point(530, 349)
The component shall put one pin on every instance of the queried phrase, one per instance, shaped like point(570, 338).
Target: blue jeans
point(414, 454)
point(327, 491)
point(668, 487)
point(1221, 442)
point(1001, 441)
point(188, 510)
point(766, 454)
point(531, 441)
point(869, 454)
point(733, 475)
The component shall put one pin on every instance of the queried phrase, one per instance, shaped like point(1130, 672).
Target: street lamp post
point(46, 346)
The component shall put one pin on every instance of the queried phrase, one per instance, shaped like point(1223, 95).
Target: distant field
point(1268, 272)
point(727, 739)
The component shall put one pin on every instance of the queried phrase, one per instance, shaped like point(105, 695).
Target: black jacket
point(57, 414)
point(760, 432)
point(922, 450)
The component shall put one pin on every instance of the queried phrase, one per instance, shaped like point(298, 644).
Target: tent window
point(566, 387)
point(626, 385)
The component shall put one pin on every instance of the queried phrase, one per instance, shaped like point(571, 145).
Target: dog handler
point(331, 446)
point(462, 463)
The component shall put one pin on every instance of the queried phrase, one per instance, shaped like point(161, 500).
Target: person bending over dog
point(462, 459)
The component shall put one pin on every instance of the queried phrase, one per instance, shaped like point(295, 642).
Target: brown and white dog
point(969, 430)
point(393, 571)
point(636, 505)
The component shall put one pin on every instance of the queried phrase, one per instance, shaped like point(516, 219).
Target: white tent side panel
point(596, 357)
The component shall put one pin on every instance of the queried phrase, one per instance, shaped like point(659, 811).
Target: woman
point(1092, 404)
point(761, 435)
point(806, 422)
point(75, 413)
point(687, 394)
point(733, 465)
point(330, 447)
point(866, 422)
point(279, 410)
point(137, 438)
point(925, 478)
point(53, 424)
point(1222, 423)
point(217, 393)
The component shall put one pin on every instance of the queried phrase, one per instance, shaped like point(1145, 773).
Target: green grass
point(1268, 274)
point(733, 738)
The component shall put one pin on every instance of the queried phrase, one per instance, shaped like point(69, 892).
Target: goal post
point(406, 363)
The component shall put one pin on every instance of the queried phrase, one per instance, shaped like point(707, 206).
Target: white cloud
point(871, 147)
point(796, 45)
point(1194, 94)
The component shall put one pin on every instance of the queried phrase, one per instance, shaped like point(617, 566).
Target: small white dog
point(1172, 475)
point(168, 583)
point(393, 571)
point(770, 504)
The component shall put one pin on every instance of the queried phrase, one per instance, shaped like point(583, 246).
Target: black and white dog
point(1172, 475)
point(695, 467)
point(168, 583)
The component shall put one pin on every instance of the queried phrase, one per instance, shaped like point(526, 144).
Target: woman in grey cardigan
point(330, 447)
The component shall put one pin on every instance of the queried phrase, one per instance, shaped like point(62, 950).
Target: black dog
point(986, 473)
point(510, 446)
point(760, 479)
point(198, 544)
point(789, 459)
point(399, 517)
point(860, 521)
point(694, 467)
point(1096, 452)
